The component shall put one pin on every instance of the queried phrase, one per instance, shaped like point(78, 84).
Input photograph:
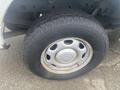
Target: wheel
point(65, 47)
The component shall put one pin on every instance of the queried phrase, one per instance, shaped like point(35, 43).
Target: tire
point(64, 26)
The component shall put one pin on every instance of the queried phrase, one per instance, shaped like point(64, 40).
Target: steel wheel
point(66, 55)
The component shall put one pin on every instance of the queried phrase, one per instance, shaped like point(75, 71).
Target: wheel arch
point(23, 13)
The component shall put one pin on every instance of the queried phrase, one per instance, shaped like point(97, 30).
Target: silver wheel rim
point(66, 55)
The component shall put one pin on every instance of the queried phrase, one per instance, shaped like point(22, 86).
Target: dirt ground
point(15, 76)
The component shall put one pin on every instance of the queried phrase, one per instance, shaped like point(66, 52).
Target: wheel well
point(22, 13)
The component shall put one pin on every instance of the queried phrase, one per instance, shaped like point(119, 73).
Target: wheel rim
point(66, 55)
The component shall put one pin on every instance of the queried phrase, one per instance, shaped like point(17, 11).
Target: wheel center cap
point(66, 55)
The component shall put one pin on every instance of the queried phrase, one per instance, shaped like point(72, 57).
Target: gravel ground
point(15, 76)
